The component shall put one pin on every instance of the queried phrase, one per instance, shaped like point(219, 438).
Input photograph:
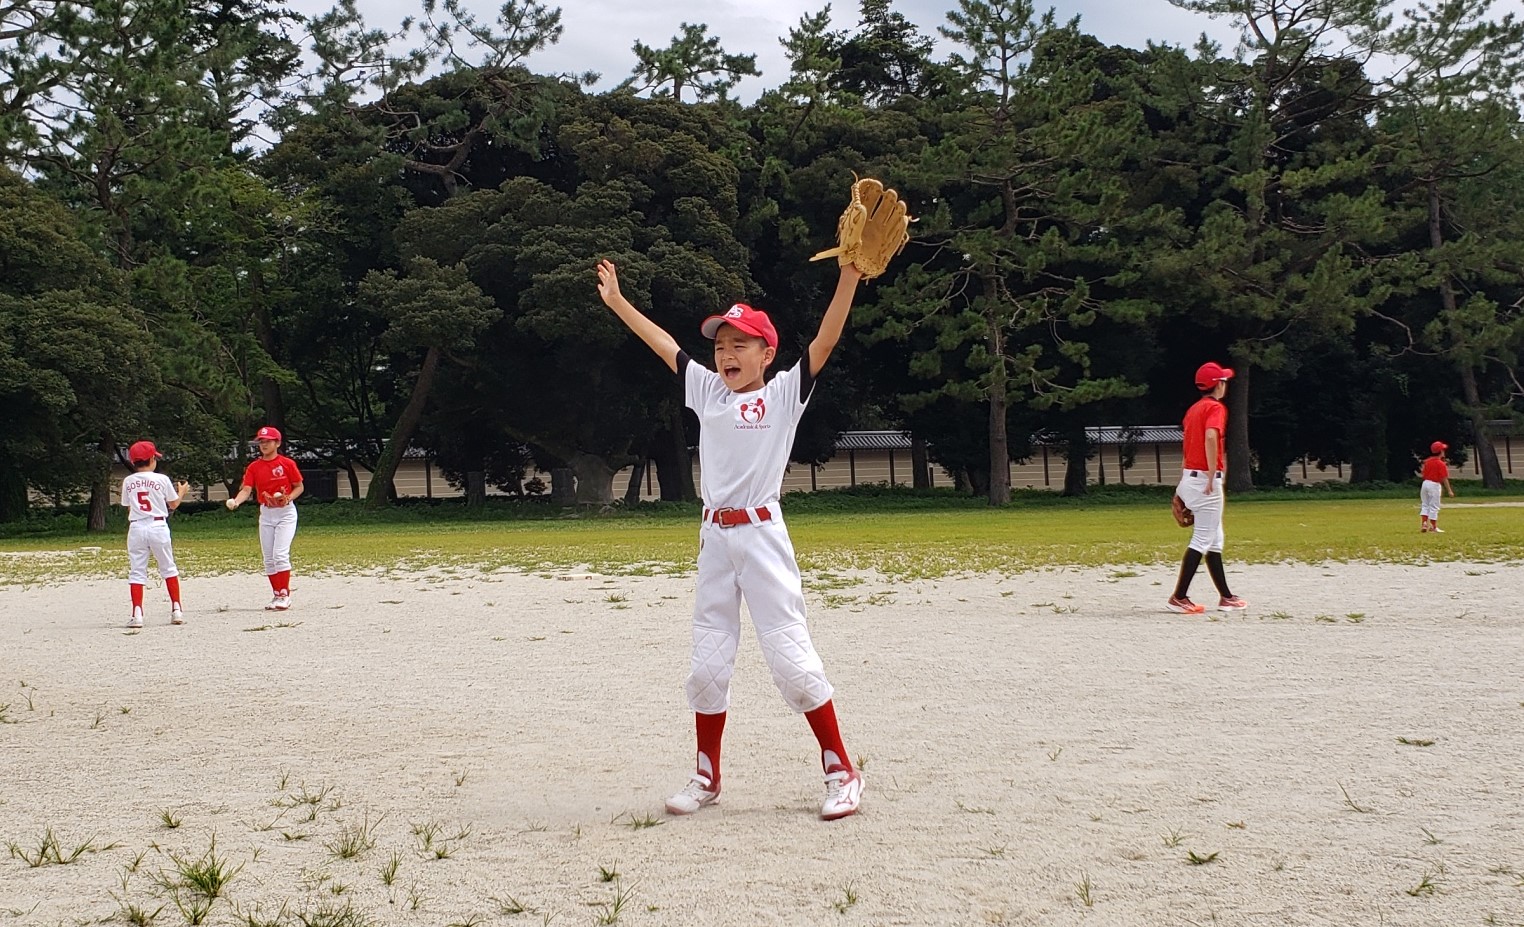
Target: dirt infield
point(1050, 748)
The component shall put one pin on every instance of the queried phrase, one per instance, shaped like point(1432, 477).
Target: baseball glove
point(874, 228)
point(1184, 517)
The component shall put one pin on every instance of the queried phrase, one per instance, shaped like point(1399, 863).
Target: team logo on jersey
point(753, 412)
point(278, 470)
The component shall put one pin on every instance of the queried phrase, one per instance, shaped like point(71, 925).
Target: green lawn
point(906, 543)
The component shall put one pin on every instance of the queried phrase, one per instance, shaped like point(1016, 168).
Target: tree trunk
point(13, 494)
point(354, 479)
point(674, 466)
point(1240, 477)
point(381, 490)
point(1077, 463)
point(919, 466)
point(632, 489)
point(978, 481)
point(1368, 453)
point(476, 489)
point(563, 486)
point(1481, 439)
point(1486, 454)
point(275, 406)
point(595, 479)
point(100, 490)
point(1000, 451)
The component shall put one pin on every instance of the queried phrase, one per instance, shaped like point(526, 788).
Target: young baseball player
point(1436, 474)
point(274, 480)
point(747, 426)
point(148, 498)
point(1201, 489)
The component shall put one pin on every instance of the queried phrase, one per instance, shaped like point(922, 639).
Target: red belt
point(729, 518)
point(158, 518)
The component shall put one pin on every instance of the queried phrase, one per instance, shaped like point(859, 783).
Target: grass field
point(905, 543)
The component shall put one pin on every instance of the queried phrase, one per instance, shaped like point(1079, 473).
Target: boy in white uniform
point(149, 497)
point(746, 429)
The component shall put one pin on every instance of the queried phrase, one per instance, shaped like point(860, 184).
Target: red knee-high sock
point(173, 585)
point(710, 729)
point(137, 595)
point(274, 579)
point(285, 582)
point(833, 755)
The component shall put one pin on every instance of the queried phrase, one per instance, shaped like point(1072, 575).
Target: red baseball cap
point(1438, 447)
point(143, 450)
point(749, 320)
point(268, 433)
point(1210, 374)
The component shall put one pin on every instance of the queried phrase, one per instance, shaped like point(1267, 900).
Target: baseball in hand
point(232, 504)
point(279, 498)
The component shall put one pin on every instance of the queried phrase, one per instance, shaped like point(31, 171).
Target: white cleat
point(136, 621)
point(693, 796)
point(844, 792)
point(176, 616)
point(279, 604)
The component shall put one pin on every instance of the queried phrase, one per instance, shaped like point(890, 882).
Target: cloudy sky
point(598, 33)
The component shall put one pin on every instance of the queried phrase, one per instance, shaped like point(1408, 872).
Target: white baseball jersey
point(146, 496)
point(744, 438)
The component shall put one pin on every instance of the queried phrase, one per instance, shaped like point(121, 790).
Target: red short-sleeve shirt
point(1435, 469)
point(268, 477)
point(1206, 413)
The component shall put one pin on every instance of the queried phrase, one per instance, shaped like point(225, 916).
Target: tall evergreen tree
point(1029, 184)
point(695, 61)
point(1451, 118)
point(1291, 187)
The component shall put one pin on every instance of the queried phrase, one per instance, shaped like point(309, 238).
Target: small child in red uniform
point(276, 482)
point(1436, 473)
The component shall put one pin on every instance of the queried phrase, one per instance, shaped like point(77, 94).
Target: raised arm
point(652, 334)
point(835, 319)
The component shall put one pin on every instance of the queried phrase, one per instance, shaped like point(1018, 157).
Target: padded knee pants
point(754, 562)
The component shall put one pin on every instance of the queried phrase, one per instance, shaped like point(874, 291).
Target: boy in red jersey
point(276, 482)
point(1436, 474)
point(1201, 489)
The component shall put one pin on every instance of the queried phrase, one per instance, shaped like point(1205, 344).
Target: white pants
point(144, 537)
point(754, 562)
point(277, 527)
point(1428, 499)
point(1206, 535)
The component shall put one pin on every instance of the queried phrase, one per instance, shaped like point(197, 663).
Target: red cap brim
point(711, 328)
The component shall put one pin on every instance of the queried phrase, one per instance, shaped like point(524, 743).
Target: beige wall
point(1153, 464)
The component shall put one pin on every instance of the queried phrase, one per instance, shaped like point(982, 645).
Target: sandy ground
point(1029, 743)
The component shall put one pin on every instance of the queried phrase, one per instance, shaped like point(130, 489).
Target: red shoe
point(1184, 606)
point(1231, 603)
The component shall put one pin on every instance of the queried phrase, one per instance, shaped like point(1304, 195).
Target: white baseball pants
point(145, 537)
point(277, 528)
point(754, 562)
point(1206, 534)
point(1428, 499)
